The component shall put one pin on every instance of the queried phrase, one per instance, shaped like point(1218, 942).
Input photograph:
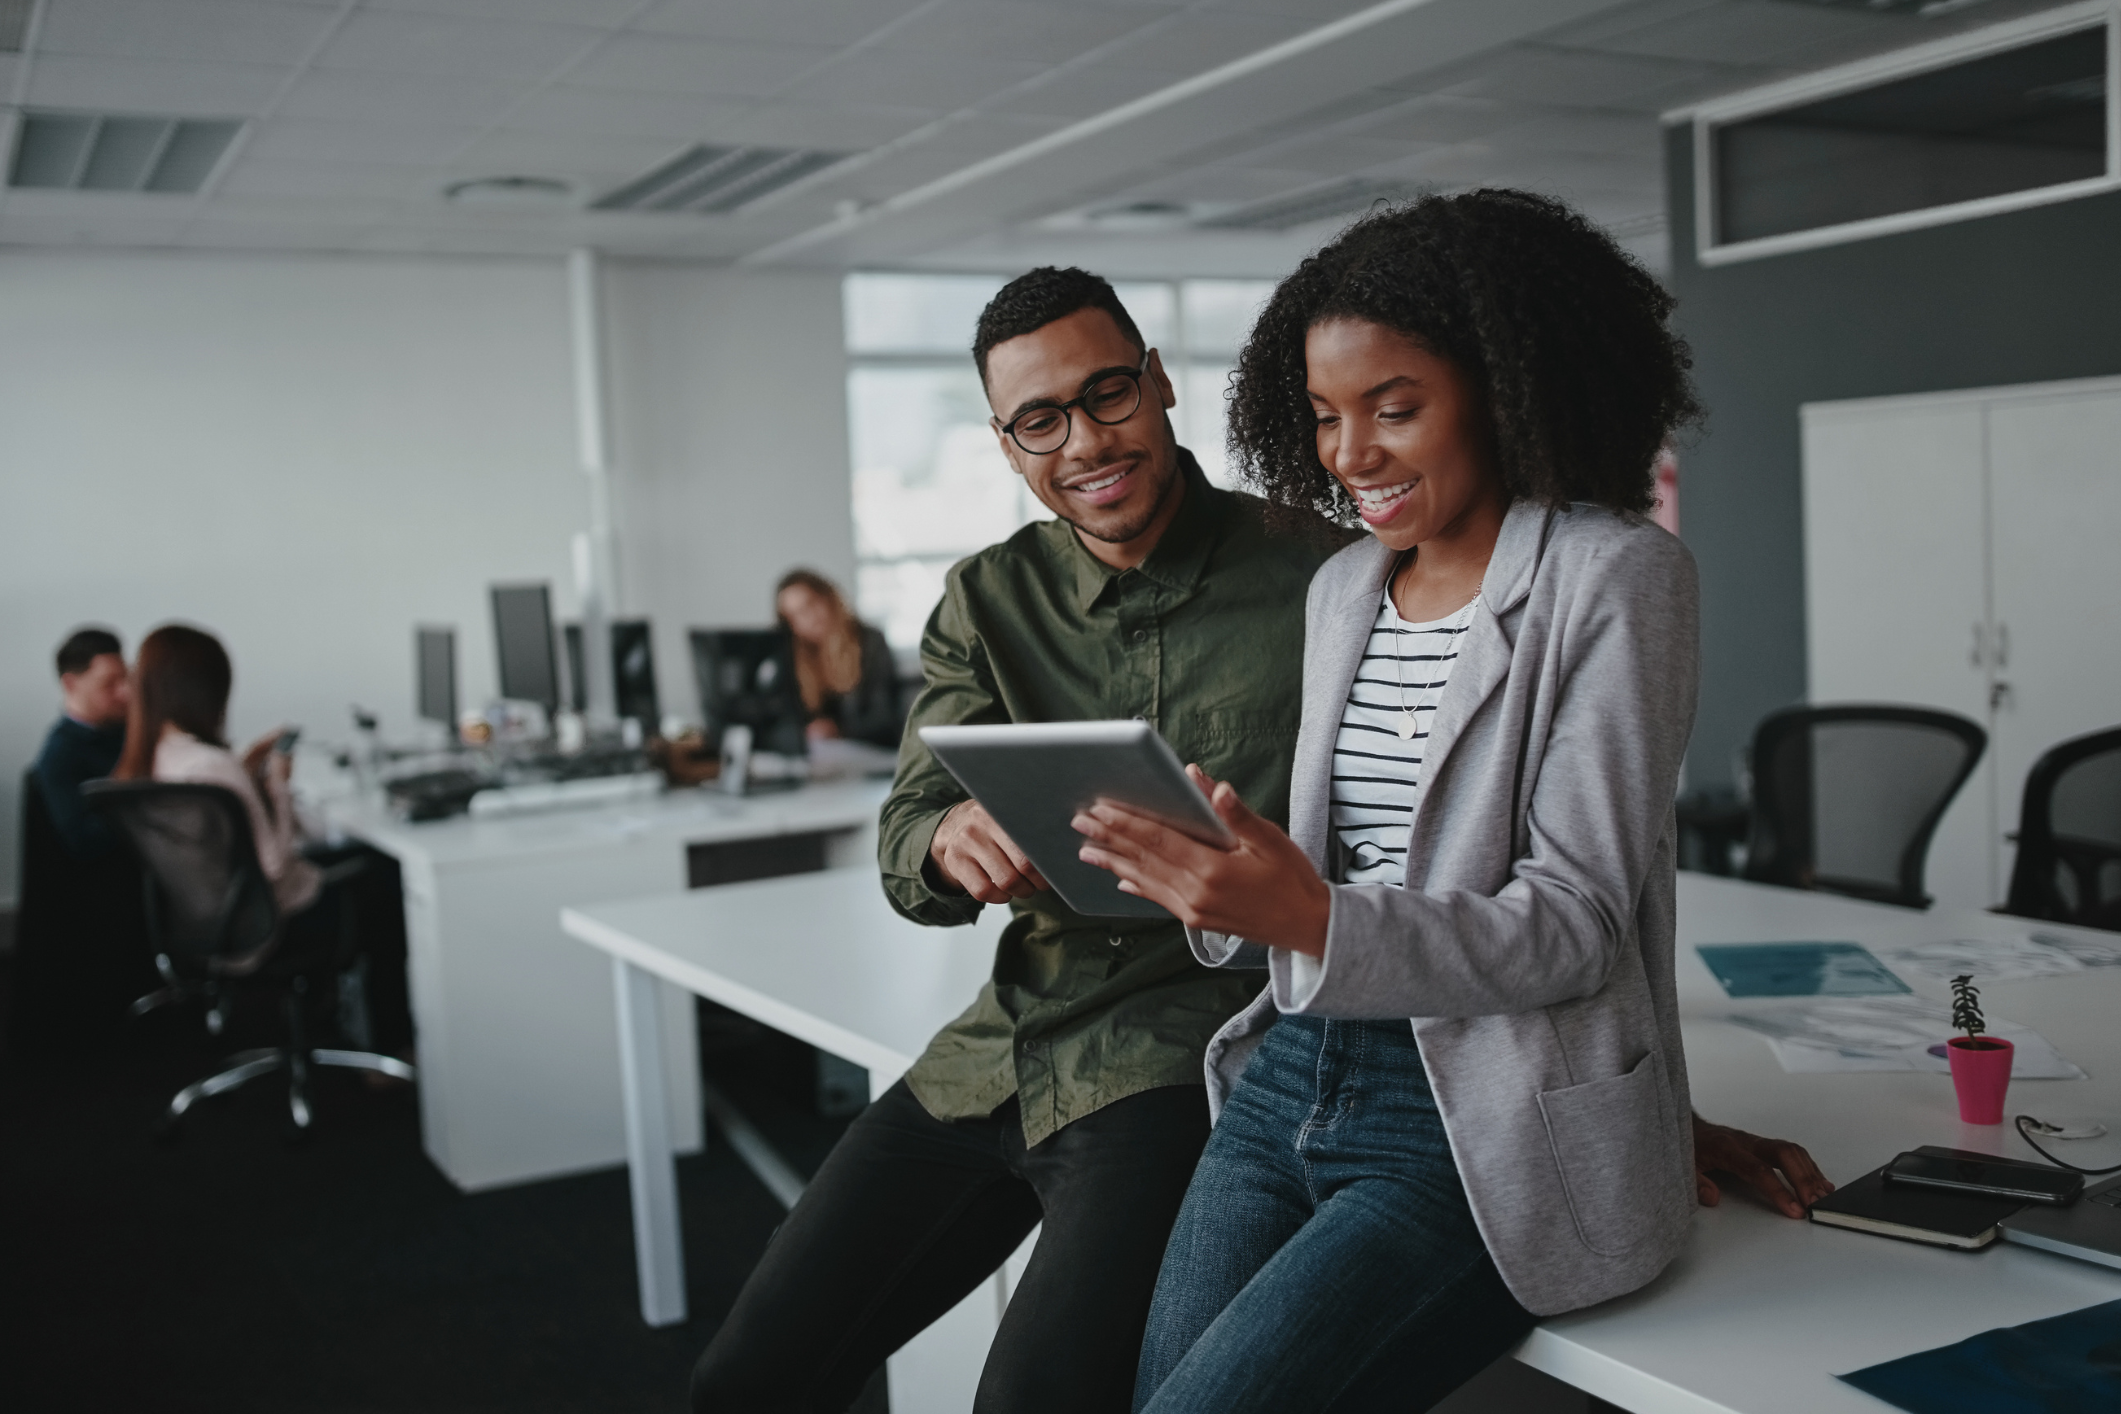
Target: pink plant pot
point(1981, 1072)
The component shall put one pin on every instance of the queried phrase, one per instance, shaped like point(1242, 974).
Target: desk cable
point(2023, 1133)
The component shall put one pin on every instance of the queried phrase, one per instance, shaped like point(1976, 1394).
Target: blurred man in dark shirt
point(83, 745)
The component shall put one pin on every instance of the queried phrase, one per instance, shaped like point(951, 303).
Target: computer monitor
point(522, 635)
point(632, 671)
point(747, 676)
point(435, 665)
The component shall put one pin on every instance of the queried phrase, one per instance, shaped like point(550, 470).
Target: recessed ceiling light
point(519, 193)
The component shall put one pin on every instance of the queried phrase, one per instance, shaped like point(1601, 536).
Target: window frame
point(1179, 357)
point(1706, 118)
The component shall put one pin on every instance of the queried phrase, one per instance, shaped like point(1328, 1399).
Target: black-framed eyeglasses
point(1109, 398)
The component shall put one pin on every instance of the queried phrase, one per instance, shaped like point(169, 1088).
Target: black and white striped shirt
point(1376, 762)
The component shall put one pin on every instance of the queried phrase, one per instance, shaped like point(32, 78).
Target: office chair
point(2069, 835)
point(216, 929)
point(80, 951)
point(1846, 798)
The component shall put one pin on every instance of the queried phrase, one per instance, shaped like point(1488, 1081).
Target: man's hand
point(1262, 887)
point(1776, 1171)
point(972, 853)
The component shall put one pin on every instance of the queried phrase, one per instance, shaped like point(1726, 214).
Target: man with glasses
point(1071, 1091)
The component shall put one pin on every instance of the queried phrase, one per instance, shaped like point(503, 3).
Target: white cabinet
point(1963, 551)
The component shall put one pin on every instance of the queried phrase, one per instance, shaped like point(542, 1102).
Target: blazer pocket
point(1613, 1143)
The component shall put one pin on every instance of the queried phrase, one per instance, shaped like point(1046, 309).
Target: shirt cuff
point(1327, 985)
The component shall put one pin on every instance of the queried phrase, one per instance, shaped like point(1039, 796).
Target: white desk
point(843, 972)
point(516, 1030)
point(1760, 1312)
point(1755, 1318)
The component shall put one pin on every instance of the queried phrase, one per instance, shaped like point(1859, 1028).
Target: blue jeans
point(1325, 1257)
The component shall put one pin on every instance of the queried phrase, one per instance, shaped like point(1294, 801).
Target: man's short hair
point(1032, 301)
point(85, 646)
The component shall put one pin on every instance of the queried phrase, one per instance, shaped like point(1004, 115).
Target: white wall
point(731, 397)
point(310, 455)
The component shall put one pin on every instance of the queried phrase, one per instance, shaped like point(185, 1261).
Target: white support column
point(651, 1166)
point(595, 552)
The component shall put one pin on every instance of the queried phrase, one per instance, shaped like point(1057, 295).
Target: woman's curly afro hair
point(1561, 334)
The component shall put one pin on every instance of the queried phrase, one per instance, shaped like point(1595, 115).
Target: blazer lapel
point(1485, 652)
point(1331, 658)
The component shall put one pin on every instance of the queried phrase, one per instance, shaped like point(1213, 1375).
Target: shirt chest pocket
point(1251, 750)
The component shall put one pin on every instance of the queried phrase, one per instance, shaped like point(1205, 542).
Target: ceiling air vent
point(1282, 213)
point(98, 152)
point(715, 179)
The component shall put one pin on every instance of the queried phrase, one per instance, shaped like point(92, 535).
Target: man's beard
point(1134, 526)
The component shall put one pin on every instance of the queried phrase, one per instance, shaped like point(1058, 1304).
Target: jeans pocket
point(1613, 1142)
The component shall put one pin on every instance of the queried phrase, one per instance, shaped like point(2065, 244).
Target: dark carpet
point(233, 1271)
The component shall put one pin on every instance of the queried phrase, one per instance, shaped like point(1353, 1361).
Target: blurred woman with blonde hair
point(843, 667)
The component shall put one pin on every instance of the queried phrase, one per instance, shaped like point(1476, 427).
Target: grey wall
point(2017, 298)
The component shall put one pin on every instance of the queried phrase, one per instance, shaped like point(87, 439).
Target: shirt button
point(1141, 635)
point(1115, 940)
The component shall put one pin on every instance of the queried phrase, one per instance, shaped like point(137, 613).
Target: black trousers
point(910, 1213)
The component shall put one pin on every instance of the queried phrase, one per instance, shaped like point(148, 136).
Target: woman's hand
point(1262, 888)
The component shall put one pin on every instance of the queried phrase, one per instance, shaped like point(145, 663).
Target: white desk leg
point(651, 1165)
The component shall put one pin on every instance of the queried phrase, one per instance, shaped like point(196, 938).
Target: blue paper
point(1799, 970)
point(2067, 1364)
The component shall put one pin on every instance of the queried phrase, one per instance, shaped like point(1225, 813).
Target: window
point(930, 484)
point(2012, 116)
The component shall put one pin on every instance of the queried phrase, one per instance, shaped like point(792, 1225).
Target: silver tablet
point(1034, 776)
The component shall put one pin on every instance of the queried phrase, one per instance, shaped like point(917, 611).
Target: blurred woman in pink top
point(179, 710)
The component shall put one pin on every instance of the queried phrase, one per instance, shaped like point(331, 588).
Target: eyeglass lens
point(1110, 401)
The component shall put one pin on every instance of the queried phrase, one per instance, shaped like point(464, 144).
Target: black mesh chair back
point(1846, 798)
point(2069, 835)
point(210, 906)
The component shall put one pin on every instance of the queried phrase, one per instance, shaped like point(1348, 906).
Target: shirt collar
point(1179, 557)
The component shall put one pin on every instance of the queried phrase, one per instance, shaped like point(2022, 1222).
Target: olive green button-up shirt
point(1204, 639)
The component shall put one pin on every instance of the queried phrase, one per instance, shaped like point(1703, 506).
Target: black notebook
point(1914, 1214)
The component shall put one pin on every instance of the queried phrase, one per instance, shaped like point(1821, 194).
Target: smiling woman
point(1459, 1103)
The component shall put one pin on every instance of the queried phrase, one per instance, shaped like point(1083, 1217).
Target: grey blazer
point(1532, 944)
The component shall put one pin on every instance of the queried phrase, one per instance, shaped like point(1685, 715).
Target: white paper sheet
point(1888, 1033)
point(2003, 959)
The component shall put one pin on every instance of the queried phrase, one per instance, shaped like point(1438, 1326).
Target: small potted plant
point(1981, 1065)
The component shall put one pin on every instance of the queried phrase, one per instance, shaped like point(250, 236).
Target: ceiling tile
point(474, 49)
point(1316, 12)
point(1595, 30)
point(1572, 77)
point(596, 112)
point(982, 133)
point(911, 81)
point(565, 155)
point(1340, 156)
point(324, 183)
point(1444, 119)
point(343, 95)
point(1011, 30)
point(197, 31)
point(302, 140)
point(1196, 43)
point(599, 14)
point(847, 128)
point(669, 64)
point(1751, 32)
point(811, 22)
point(898, 173)
point(1586, 130)
point(1091, 91)
point(130, 86)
